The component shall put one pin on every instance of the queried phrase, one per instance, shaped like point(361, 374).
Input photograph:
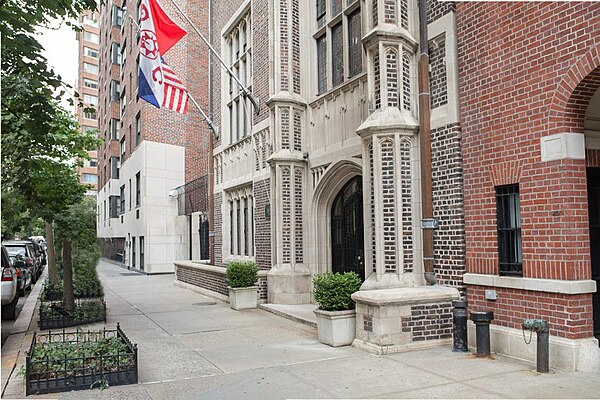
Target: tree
point(76, 225)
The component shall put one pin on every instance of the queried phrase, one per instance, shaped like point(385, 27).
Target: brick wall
point(526, 70)
point(569, 316)
point(429, 322)
point(512, 62)
point(447, 185)
point(218, 199)
point(437, 75)
point(210, 280)
point(437, 9)
point(262, 225)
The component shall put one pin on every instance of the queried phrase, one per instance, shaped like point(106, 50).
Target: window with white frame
point(338, 23)
point(90, 83)
point(90, 52)
point(241, 222)
point(90, 99)
point(238, 43)
point(91, 37)
point(91, 68)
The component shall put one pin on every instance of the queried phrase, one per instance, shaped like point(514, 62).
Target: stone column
point(390, 150)
point(289, 279)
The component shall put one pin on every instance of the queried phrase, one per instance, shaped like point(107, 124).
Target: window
point(89, 178)
point(138, 190)
point(115, 53)
point(91, 68)
point(241, 224)
point(114, 167)
point(239, 53)
point(117, 16)
point(130, 194)
point(90, 115)
point(90, 99)
point(90, 52)
point(90, 83)
point(114, 90)
point(114, 128)
point(123, 149)
point(510, 252)
point(113, 206)
point(87, 129)
point(122, 199)
point(93, 162)
point(322, 64)
point(344, 58)
point(133, 251)
point(123, 103)
point(91, 37)
point(141, 253)
point(138, 129)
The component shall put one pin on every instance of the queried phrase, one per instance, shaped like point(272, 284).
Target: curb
point(13, 353)
point(283, 314)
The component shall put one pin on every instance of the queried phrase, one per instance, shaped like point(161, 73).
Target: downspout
point(211, 177)
point(425, 144)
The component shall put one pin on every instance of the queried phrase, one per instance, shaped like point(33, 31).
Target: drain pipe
point(211, 176)
point(428, 224)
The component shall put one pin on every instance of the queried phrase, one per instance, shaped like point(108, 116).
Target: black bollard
point(459, 319)
point(482, 321)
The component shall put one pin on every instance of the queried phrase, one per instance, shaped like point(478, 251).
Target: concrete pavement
point(195, 347)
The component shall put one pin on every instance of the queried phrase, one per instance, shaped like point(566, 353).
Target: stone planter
point(336, 328)
point(242, 298)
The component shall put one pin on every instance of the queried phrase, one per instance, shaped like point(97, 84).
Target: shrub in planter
point(336, 317)
point(242, 277)
point(332, 291)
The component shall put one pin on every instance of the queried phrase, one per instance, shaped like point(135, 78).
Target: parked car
point(24, 275)
point(8, 284)
point(39, 252)
point(24, 249)
point(40, 240)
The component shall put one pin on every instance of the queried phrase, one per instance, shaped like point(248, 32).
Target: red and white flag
point(157, 82)
point(175, 95)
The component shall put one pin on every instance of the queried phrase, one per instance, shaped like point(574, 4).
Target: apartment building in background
point(87, 85)
point(153, 179)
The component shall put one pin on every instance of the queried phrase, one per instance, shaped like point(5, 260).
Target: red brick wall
point(569, 316)
point(516, 78)
point(527, 70)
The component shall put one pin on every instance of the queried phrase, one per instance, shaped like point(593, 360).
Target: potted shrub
point(242, 277)
point(336, 316)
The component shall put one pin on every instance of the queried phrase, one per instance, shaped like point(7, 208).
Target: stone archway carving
point(332, 181)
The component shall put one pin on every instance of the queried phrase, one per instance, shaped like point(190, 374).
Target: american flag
point(176, 95)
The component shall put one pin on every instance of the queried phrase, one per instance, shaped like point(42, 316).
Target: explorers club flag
point(157, 83)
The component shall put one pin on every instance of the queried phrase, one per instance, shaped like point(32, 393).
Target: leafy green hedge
point(332, 291)
point(242, 274)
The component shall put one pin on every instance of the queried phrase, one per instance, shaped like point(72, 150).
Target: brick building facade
point(87, 86)
point(149, 156)
point(530, 106)
point(326, 174)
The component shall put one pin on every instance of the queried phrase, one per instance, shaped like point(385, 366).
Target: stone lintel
point(389, 33)
point(286, 98)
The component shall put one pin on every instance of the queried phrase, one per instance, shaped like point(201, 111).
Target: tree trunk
point(67, 260)
point(52, 271)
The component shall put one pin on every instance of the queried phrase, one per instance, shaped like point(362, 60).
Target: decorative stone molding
point(562, 146)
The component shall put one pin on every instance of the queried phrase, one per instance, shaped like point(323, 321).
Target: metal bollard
point(459, 320)
point(482, 321)
point(542, 328)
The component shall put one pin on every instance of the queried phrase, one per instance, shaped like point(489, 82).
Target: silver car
point(9, 287)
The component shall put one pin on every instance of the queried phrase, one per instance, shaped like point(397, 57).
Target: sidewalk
point(195, 347)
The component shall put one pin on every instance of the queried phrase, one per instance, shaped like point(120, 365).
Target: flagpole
point(246, 92)
point(208, 120)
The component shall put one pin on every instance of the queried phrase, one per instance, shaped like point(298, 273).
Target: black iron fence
point(64, 361)
point(54, 316)
point(193, 196)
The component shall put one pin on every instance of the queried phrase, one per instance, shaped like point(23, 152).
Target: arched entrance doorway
point(592, 136)
point(347, 229)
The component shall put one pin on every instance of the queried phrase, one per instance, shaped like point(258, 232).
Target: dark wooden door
point(347, 230)
point(593, 175)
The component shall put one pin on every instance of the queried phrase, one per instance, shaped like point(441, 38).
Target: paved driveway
point(194, 347)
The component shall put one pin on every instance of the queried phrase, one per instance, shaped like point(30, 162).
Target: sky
point(60, 49)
